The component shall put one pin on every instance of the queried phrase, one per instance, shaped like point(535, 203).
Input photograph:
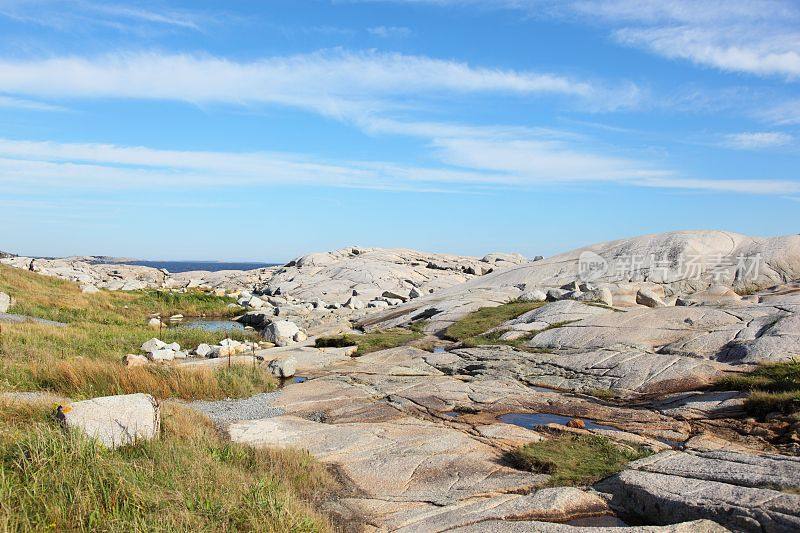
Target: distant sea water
point(187, 266)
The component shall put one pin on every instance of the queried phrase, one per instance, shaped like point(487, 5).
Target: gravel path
point(20, 319)
point(223, 412)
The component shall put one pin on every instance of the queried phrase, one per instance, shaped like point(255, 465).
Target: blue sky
point(264, 130)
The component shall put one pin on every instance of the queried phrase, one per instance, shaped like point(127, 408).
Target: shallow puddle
point(534, 420)
point(289, 381)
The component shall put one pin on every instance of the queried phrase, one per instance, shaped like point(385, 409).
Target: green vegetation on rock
point(773, 387)
point(471, 328)
point(372, 341)
point(575, 459)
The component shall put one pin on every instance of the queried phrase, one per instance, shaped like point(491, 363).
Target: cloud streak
point(760, 37)
point(756, 140)
point(468, 164)
point(336, 83)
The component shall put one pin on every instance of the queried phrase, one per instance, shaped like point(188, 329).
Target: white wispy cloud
point(756, 140)
point(68, 15)
point(760, 37)
point(468, 163)
point(336, 83)
point(30, 105)
point(389, 31)
point(782, 114)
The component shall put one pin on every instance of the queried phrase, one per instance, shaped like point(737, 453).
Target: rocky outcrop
point(369, 273)
point(626, 372)
point(114, 420)
point(741, 492)
point(428, 463)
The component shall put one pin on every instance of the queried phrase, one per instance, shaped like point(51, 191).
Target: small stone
point(648, 298)
point(533, 295)
point(203, 350)
point(153, 345)
point(132, 360)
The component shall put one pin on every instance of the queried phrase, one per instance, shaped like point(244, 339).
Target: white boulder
point(281, 332)
point(114, 420)
point(5, 302)
point(153, 345)
point(534, 295)
point(283, 368)
point(203, 350)
point(162, 355)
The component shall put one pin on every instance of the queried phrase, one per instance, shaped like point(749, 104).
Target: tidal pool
point(534, 420)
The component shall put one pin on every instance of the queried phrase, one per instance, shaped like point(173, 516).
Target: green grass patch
point(372, 341)
point(773, 387)
point(188, 480)
point(486, 318)
point(575, 459)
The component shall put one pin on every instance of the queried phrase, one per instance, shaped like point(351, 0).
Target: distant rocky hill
point(669, 265)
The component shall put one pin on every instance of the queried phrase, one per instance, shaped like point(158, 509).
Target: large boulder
point(283, 368)
point(281, 332)
point(114, 420)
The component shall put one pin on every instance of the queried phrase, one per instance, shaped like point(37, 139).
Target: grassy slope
point(83, 359)
point(189, 480)
point(575, 459)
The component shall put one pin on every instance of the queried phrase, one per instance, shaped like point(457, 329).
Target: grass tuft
point(773, 387)
point(575, 459)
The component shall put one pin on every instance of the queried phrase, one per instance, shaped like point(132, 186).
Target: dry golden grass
point(91, 378)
